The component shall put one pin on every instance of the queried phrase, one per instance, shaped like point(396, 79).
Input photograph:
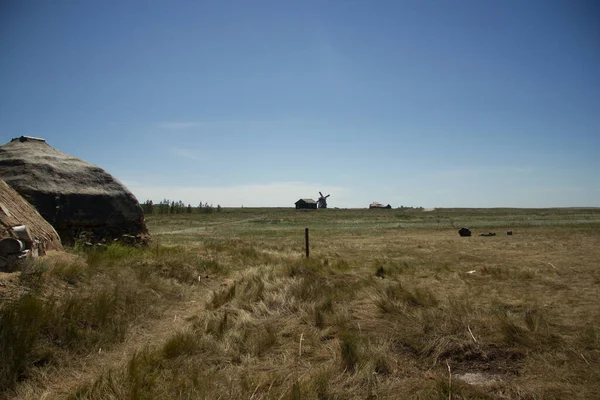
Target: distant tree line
point(167, 206)
point(411, 208)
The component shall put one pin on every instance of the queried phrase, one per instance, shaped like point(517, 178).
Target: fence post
point(306, 239)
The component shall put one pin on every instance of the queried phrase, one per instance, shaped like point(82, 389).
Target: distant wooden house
point(306, 204)
point(378, 205)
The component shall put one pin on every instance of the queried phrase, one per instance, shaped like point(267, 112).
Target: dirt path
point(55, 384)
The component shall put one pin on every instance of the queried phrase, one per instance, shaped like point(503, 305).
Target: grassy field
point(391, 304)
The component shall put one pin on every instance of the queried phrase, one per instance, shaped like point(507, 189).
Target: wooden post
point(157, 249)
point(306, 239)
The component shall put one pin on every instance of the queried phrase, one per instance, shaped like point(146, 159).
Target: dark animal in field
point(509, 233)
point(464, 232)
point(488, 234)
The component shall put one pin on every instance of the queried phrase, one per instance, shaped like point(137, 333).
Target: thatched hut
point(16, 211)
point(71, 194)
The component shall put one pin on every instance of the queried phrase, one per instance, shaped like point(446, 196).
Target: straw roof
point(15, 210)
point(73, 195)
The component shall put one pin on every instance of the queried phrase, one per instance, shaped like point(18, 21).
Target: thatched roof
point(15, 211)
point(72, 195)
point(307, 201)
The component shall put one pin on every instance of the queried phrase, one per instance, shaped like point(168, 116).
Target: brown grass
point(379, 311)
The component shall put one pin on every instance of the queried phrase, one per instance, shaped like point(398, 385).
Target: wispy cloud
point(177, 126)
point(185, 153)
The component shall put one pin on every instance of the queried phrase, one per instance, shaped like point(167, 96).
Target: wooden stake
point(473, 336)
point(449, 381)
point(306, 240)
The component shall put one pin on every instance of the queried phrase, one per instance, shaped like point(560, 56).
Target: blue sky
point(258, 103)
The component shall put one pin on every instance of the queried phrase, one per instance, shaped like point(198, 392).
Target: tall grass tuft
point(395, 297)
point(20, 325)
point(222, 297)
point(33, 274)
point(140, 375)
point(252, 289)
point(50, 321)
point(182, 343)
point(310, 267)
point(534, 319)
point(349, 351)
point(215, 324)
point(512, 333)
point(70, 272)
point(320, 309)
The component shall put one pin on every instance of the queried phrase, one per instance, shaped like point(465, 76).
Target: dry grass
point(387, 306)
point(70, 306)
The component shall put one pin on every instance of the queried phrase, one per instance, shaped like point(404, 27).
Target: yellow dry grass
point(390, 305)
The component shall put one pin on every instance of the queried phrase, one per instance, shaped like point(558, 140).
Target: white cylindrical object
point(22, 233)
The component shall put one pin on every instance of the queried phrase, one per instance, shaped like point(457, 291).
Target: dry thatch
point(15, 210)
point(73, 195)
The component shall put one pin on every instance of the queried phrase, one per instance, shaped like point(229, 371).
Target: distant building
point(306, 203)
point(378, 205)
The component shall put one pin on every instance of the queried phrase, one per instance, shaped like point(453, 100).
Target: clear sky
point(258, 103)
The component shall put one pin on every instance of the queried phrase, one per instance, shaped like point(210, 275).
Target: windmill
point(322, 202)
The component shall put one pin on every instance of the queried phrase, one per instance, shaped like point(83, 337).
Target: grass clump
point(259, 340)
point(214, 324)
point(32, 328)
point(252, 290)
point(307, 267)
point(535, 319)
point(180, 271)
point(108, 292)
point(349, 351)
point(395, 298)
point(182, 343)
point(222, 297)
point(142, 375)
point(95, 319)
point(20, 324)
point(321, 310)
point(33, 273)
point(70, 272)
